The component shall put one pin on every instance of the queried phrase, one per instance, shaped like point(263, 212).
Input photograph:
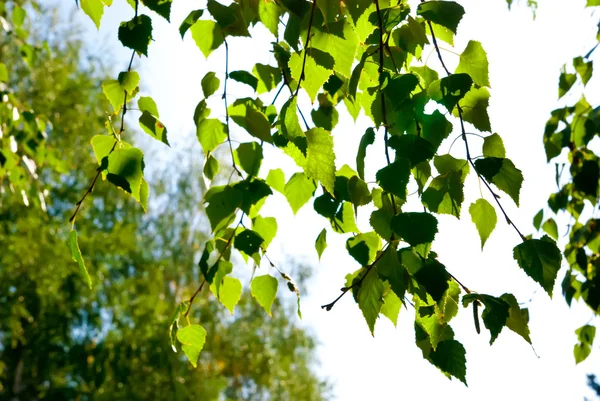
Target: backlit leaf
point(264, 289)
point(484, 217)
point(192, 339)
point(77, 257)
point(473, 61)
point(321, 242)
point(320, 159)
point(540, 259)
point(207, 35)
point(444, 13)
point(298, 190)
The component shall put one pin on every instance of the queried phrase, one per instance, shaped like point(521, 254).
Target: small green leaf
point(495, 314)
point(450, 90)
point(517, 318)
point(266, 227)
point(380, 221)
point(161, 7)
point(126, 170)
point(269, 13)
point(415, 228)
point(363, 247)
point(474, 108)
point(541, 259)
point(298, 190)
point(190, 20)
point(367, 139)
point(244, 77)
point(394, 177)
point(207, 35)
point(192, 339)
point(565, 83)
point(503, 174)
point(77, 257)
point(391, 306)
point(319, 74)
point(268, 77)
point(102, 145)
point(450, 358)
point(153, 127)
point(264, 289)
point(211, 133)
point(114, 92)
point(370, 297)
point(136, 34)
point(94, 9)
point(551, 228)
point(444, 13)
point(434, 277)
point(230, 292)
point(584, 69)
point(585, 336)
point(210, 84)
point(493, 146)
point(391, 270)
point(484, 217)
point(222, 205)
point(537, 220)
point(211, 167)
point(146, 103)
point(255, 122)
point(248, 241)
point(3, 73)
point(249, 156)
point(321, 243)
point(473, 61)
point(412, 147)
point(290, 125)
point(320, 159)
point(276, 180)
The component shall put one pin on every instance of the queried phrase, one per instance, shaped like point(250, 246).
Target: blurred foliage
point(61, 341)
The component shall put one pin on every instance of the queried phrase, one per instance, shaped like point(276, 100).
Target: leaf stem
point(310, 23)
point(224, 97)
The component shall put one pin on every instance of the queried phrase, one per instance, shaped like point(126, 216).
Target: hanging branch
point(117, 135)
point(224, 97)
point(464, 137)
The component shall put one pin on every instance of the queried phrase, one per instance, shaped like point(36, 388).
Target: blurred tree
point(61, 341)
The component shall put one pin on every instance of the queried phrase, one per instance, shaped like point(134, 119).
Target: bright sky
point(525, 59)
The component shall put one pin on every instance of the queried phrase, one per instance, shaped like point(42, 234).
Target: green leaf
point(207, 35)
point(230, 18)
point(503, 174)
point(394, 177)
point(94, 9)
point(450, 358)
point(266, 227)
point(136, 34)
point(268, 77)
point(222, 205)
point(411, 37)
point(77, 257)
point(391, 306)
point(565, 83)
point(321, 242)
point(320, 159)
point(192, 339)
point(584, 69)
point(363, 247)
point(190, 20)
point(450, 90)
point(434, 278)
point(447, 307)
point(153, 127)
point(436, 128)
point(340, 40)
point(146, 103)
point(391, 270)
point(298, 190)
point(254, 121)
point(474, 108)
point(445, 193)
point(380, 221)
point(473, 61)
point(318, 74)
point(495, 314)
point(444, 13)
point(517, 318)
point(264, 289)
point(161, 7)
point(211, 167)
point(415, 228)
point(114, 92)
point(344, 221)
point(585, 336)
point(248, 241)
point(367, 139)
point(551, 228)
point(276, 180)
point(493, 146)
point(290, 125)
point(359, 192)
point(541, 259)
point(211, 133)
point(126, 170)
point(412, 147)
point(244, 77)
point(537, 220)
point(102, 145)
point(3, 73)
point(210, 84)
point(249, 156)
point(230, 292)
point(129, 81)
point(269, 13)
point(484, 217)
point(370, 297)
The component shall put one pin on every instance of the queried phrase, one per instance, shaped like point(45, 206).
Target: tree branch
point(310, 22)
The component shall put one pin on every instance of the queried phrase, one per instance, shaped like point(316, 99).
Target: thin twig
point(310, 22)
point(356, 283)
point(464, 137)
point(121, 130)
point(224, 97)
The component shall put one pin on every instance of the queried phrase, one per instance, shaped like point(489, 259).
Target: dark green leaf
point(434, 278)
point(210, 84)
point(136, 34)
point(126, 170)
point(367, 139)
point(248, 241)
point(161, 7)
point(537, 220)
point(77, 257)
point(268, 77)
point(190, 20)
point(391, 270)
point(450, 90)
point(363, 247)
point(394, 177)
point(223, 205)
point(450, 358)
point(565, 83)
point(540, 258)
point(495, 314)
point(244, 77)
point(249, 156)
point(444, 13)
point(415, 228)
point(246, 115)
point(412, 147)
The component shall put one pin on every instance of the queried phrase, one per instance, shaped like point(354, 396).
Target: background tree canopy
point(383, 60)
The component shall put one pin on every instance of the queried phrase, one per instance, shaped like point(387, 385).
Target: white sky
point(525, 59)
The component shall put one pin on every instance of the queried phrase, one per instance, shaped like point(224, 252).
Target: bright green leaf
point(321, 243)
point(126, 170)
point(298, 190)
point(493, 146)
point(473, 61)
point(266, 227)
point(190, 20)
point(230, 292)
point(484, 217)
point(249, 156)
point(146, 103)
point(474, 108)
point(207, 35)
point(211, 133)
point(370, 297)
point(268, 77)
point(211, 167)
point(264, 289)
point(391, 306)
point(210, 84)
point(77, 257)
point(153, 127)
point(276, 180)
point(320, 159)
point(551, 228)
point(517, 318)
